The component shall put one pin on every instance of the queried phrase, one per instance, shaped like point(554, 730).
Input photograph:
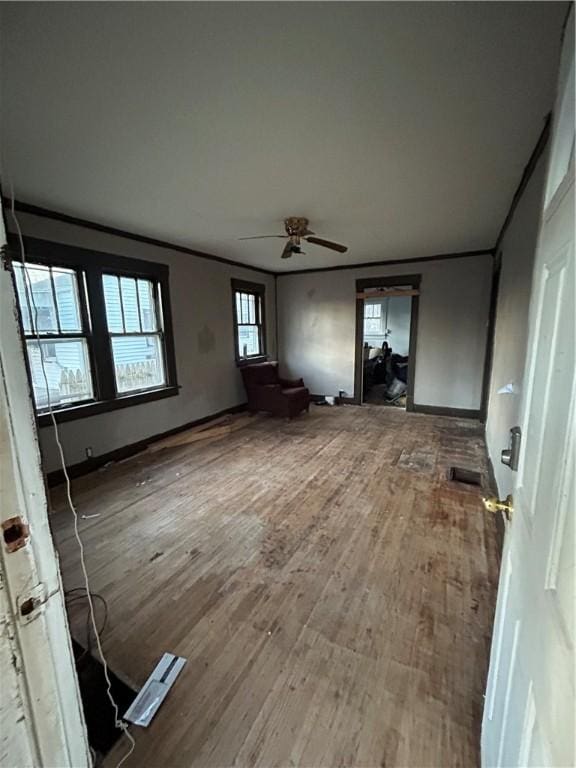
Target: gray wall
point(201, 312)
point(317, 316)
point(518, 249)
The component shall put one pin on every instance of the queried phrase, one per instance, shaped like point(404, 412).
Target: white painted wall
point(317, 316)
point(201, 301)
point(511, 331)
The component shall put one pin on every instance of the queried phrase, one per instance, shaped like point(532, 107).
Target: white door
point(529, 715)
point(41, 719)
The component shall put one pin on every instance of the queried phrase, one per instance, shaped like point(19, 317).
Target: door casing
point(413, 281)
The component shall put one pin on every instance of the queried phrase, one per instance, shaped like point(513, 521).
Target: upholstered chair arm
point(291, 383)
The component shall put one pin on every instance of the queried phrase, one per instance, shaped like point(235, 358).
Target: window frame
point(83, 334)
point(90, 266)
point(381, 317)
point(158, 316)
point(259, 291)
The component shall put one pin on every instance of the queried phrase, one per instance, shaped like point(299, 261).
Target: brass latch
point(493, 504)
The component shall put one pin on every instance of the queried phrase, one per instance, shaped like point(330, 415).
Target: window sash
point(372, 311)
point(55, 383)
point(131, 329)
point(146, 374)
point(374, 319)
point(248, 304)
point(259, 338)
point(45, 379)
point(29, 316)
point(248, 308)
point(145, 324)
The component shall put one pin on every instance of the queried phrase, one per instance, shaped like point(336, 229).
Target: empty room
point(288, 392)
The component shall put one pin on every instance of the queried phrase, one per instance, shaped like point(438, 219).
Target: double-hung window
point(249, 321)
point(55, 326)
point(97, 329)
point(372, 318)
point(135, 333)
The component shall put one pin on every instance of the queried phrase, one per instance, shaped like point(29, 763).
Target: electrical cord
point(77, 595)
point(118, 722)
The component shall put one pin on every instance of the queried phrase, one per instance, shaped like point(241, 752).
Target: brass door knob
point(493, 504)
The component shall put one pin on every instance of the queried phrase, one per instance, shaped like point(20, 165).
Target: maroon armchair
point(268, 392)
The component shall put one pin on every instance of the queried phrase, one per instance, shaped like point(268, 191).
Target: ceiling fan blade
point(327, 244)
point(262, 237)
point(287, 252)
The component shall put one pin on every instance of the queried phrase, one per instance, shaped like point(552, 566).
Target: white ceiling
point(399, 129)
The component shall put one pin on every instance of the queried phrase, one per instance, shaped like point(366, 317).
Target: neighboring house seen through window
point(95, 330)
point(249, 325)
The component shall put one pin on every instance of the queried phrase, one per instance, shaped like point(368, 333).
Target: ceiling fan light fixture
point(291, 249)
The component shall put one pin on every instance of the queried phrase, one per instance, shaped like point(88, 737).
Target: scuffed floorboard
point(332, 591)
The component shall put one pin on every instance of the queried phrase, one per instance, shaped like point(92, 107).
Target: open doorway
point(386, 325)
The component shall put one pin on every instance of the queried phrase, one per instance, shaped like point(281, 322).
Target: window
point(97, 330)
point(56, 335)
point(134, 332)
point(249, 324)
point(372, 318)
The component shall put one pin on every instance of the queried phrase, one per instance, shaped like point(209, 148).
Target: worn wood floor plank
point(332, 591)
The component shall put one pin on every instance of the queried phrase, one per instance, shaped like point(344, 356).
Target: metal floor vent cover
point(155, 690)
point(466, 476)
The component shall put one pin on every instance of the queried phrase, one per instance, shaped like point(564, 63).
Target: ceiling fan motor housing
point(297, 226)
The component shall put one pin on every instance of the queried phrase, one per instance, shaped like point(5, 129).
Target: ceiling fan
point(297, 230)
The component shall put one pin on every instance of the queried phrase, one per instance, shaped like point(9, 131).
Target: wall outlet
point(89, 452)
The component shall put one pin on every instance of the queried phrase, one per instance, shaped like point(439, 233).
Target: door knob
point(493, 504)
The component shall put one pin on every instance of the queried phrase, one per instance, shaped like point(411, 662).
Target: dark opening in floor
point(98, 711)
point(466, 476)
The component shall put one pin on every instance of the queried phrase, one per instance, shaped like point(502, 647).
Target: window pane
point(112, 301)
point(245, 310)
point(373, 318)
point(37, 286)
point(130, 304)
point(138, 363)
point(238, 307)
point(252, 307)
point(66, 290)
point(248, 340)
point(67, 368)
point(147, 305)
point(372, 326)
point(372, 310)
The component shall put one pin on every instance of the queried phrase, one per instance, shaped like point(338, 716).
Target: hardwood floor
point(332, 591)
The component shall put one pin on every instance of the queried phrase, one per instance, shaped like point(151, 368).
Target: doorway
point(386, 327)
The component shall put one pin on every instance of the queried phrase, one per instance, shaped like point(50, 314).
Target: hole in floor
point(466, 476)
point(98, 711)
